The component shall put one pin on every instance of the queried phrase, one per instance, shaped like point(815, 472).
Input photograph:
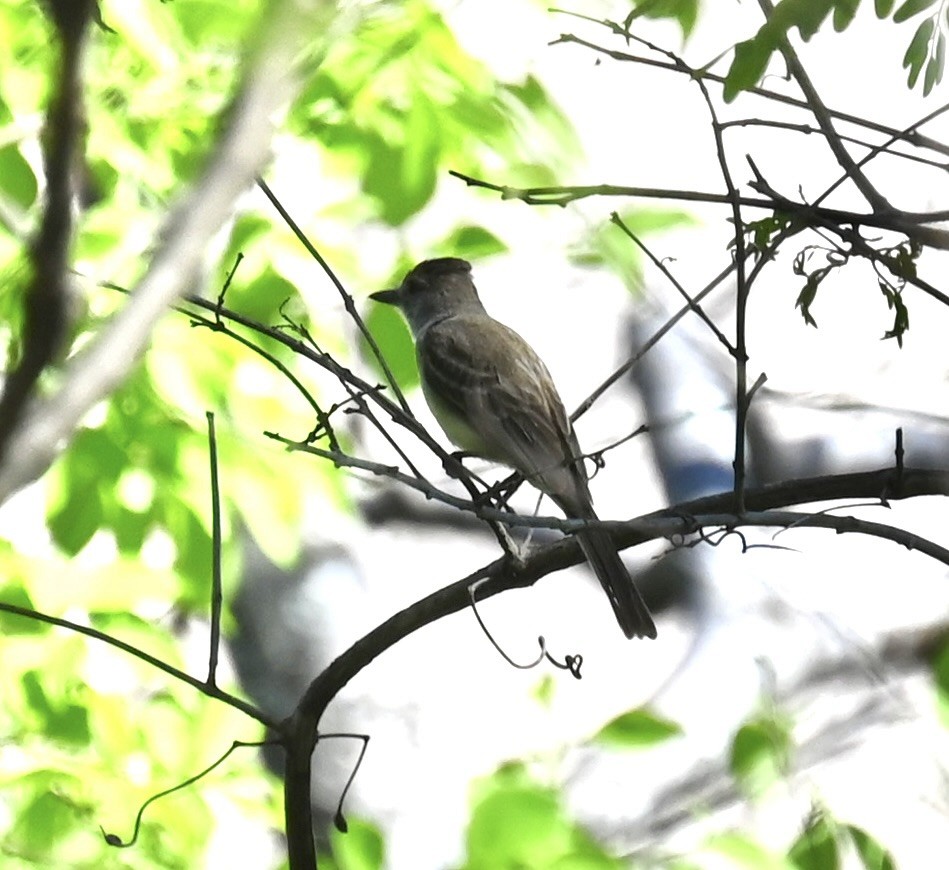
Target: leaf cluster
point(926, 50)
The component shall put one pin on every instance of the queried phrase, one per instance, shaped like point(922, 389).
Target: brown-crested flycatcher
point(494, 398)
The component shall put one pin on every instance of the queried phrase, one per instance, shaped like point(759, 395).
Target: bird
point(493, 396)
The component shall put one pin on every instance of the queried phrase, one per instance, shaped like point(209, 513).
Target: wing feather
point(507, 399)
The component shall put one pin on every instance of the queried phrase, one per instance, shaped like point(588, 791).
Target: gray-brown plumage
point(494, 398)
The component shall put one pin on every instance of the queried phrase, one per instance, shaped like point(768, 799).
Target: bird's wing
point(508, 401)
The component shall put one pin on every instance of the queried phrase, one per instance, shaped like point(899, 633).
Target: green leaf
point(471, 243)
point(894, 301)
point(844, 12)
point(17, 180)
point(918, 50)
point(637, 729)
point(872, 854)
point(13, 592)
point(360, 848)
point(816, 848)
point(934, 68)
point(759, 754)
point(806, 297)
point(747, 67)
point(47, 820)
point(401, 176)
point(685, 12)
point(544, 691)
point(883, 7)
point(60, 719)
point(911, 8)
point(806, 15)
point(74, 523)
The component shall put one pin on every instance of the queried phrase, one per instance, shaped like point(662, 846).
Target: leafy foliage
point(399, 102)
point(893, 265)
point(126, 543)
point(926, 50)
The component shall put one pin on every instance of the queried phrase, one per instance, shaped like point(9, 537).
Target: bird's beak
point(390, 297)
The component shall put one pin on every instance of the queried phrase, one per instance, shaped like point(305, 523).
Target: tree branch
point(46, 303)
point(269, 82)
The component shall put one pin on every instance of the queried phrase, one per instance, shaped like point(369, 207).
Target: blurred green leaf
point(744, 852)
point(940, 673)
point(13, 592)
point(46, 820)
point(760, 754)
point(75, 520)
point(637, 729)
point(608, 244)
point(401, 100)
point(872, 855)
point(883, 7)
point(816, 848)
point(518, 824)
point(360, 848)
point(17, 180)
point(62, 718)
point(262, 297)
point(471, 243)
point(394, 339)
point(544, 690)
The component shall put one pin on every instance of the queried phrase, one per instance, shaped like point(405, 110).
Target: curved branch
point(502, 574)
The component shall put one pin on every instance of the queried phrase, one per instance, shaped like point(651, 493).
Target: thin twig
point(346, 297)
point(217, 599)
point(633, 360)
point(202, 686)
point(661, 266)
point(913, 137)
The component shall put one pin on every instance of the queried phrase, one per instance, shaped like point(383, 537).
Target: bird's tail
point(631, 612)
